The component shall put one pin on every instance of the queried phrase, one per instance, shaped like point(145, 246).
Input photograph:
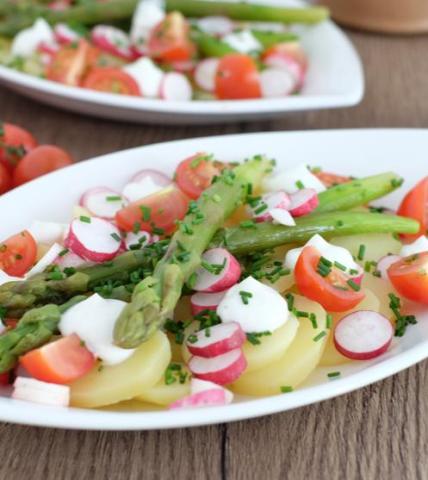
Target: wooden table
point(379, 432)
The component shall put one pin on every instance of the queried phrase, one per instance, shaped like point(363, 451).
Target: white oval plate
point(354, 152)
point(335, 79)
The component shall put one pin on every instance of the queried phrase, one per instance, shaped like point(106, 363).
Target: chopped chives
point(245, 296)
point(286, 389)
point(333, 374)
point(85, 219)
point(113, 198)
point(216, 198)
point(320, 336)
point(361, 252)
point(63, 252)
point(313, 320)
point(116, 237)
point(300, 185)
point(354, 285)
point(328, 321)
point(340, 266)
point(146, 212)
point(136, 228)
point(247, 224)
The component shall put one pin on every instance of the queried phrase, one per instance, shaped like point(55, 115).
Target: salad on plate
point(226, 279)
point(177, 50)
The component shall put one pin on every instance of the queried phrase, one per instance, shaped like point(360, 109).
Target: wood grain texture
point(379, 432)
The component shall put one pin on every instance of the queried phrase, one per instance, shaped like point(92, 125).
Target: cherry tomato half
point(410, 277)
point(112, 80)
point(237, 77)
point(331, 179)
point(5, 179)
point(415, 205)
point(157, 211)
point(18, 254)
point(38, 162)
point(15, 142)
point(332, 292)
point(170, 40)
point(195, 174)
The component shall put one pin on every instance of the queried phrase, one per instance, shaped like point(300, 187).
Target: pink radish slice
point(363, 335)
point(278, 200)
point(98, 240)
point(102, 202)
point(222, 369)
point(207, 398)
point(205, 301)
point(184, 66)
point(64, 34)
point(49, 48)
point(145, 183)
point(303, 201)
point(286, 62)
point(212, 282)
point(205, 73)
point(276, 82)
point(176, 87)
point(216, 340)
point(112, 40)
point(155, 176)
point(216, 25)
point(135, 241)
point(384, 263)
point(71, 260)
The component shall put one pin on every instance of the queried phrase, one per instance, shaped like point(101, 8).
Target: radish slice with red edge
point(145, 183)
point(222, 369)
point(216, 25)
point(184, 66)
point(270, 201)
point(219, 271)
point(205, 301)
point(176, 87)
point(276, 82)
point(155, 176)
point(289, 64)
point(363, 335)
point(93, 239)
point(214, 397)
point(205, 73)
point(384, 263)
point(102, 202)
point(112, 40)
point(303, 202)
point(68, 259)
point(50, 48)
point(135, 241)
point(64, 34)
point(216, 340)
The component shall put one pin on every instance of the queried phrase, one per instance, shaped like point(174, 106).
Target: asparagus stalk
point(34, 329)
point(155, 298)
point(242, 241)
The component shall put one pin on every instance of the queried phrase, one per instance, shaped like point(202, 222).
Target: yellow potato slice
point(381, 288)
point(164, 395)
point(331, 356)
point(272, 347)
point(126, 380)
point(298, 361)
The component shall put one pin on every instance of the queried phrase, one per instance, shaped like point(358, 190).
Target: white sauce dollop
point(146, 17)
point(28, 40)
point(147, 75)
point(243, 42)
point(137, 190)
point(418, 246)
point(47, 232)
point(289, 180)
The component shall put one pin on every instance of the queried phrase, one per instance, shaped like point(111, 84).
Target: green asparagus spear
point(155, 298)
point(242, 240)
point(34, 329)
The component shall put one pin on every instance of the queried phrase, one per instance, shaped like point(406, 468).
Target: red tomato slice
point(331, 179)
point(18, 254)
point(5, 179)
point(410, 277)
point(332, 291)
point(415, 205)
point(38, 162)
point(62, 361)
point(237, 77)
point(170, 40)
point(157, 211)
point(112, 80)
point(70, 63)
point(195, 174)
point(15, 142)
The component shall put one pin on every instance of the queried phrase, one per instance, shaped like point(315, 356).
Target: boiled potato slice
point(331, 356)
point(126, 380)
point(381, 288)
point(377, 245)
point(298, 361)
point(164, 395)
point(272, 347)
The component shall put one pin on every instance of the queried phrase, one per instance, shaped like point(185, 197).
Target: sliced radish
point(276, 82)
point(290, 63)
point(214, 397)
point(48, 259)
point(112, 40)
point(185, 66)
point(205, 301)
point(216, 25)
point(71, 260)
point(384, 263)
point(205, 73)
point(156, 177)
point(358, 277)
point(96, 240)
point(213, 341)
point(145, 183)
point(228, 275)
point(176, 87)
point(135, 241)
point(282, 217)
point(102, 202)
point(280, 200)
point(50, 48)
point(303, 202)
point(363, 335)
point(222, 369)
point(64, 34)
point(148, 76)
point(35, 391)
